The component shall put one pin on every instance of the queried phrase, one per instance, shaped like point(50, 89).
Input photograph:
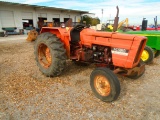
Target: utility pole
point(102, 16)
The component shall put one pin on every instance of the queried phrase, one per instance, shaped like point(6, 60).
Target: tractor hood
point(113, 35)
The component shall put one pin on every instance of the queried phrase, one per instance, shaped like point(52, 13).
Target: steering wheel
point(79, 27)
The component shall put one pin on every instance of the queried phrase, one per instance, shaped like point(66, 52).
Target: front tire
point(50, 54)
point(105, 84)
point(147, 55)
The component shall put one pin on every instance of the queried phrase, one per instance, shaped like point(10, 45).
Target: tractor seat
point(75, 33)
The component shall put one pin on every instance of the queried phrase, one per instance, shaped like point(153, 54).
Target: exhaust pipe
point(116, 21)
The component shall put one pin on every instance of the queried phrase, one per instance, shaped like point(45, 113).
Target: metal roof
point(36, 6)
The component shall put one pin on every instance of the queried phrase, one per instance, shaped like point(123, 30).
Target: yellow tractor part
point(119, 24)
point(122, 22)
point(145, 55)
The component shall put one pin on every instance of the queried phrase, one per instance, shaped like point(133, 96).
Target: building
point(24, 16)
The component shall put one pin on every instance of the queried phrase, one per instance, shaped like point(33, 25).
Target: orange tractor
point(113, 53)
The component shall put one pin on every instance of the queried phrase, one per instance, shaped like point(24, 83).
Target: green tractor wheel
point(147, 55)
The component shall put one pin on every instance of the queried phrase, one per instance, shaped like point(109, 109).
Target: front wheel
point(105, 84)
point(147, 55)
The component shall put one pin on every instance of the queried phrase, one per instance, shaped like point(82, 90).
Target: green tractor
point(152, 48)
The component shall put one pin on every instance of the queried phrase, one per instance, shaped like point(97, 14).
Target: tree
point(89, 20)
point(95, 21)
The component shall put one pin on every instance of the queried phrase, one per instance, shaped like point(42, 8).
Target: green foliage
point(95, 21)
point(89, 20)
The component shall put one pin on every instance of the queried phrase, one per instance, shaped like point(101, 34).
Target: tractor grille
point(138, 55)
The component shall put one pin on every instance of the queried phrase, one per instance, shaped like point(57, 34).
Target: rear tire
point(50, 54)
point(105, 84)
point(147, 55)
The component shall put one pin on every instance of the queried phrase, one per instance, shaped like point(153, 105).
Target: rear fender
point(62, 33)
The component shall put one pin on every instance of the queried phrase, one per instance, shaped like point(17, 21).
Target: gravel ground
point(26, 94)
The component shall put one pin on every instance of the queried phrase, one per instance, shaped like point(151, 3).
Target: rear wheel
point(105, 84)
point(147, 55)
point(50, 54)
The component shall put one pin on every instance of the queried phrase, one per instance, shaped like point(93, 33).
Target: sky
point(134, 10)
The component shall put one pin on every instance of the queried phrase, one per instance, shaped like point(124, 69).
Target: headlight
point(120, 51)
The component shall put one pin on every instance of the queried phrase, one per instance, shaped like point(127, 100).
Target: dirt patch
point(26, 94)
